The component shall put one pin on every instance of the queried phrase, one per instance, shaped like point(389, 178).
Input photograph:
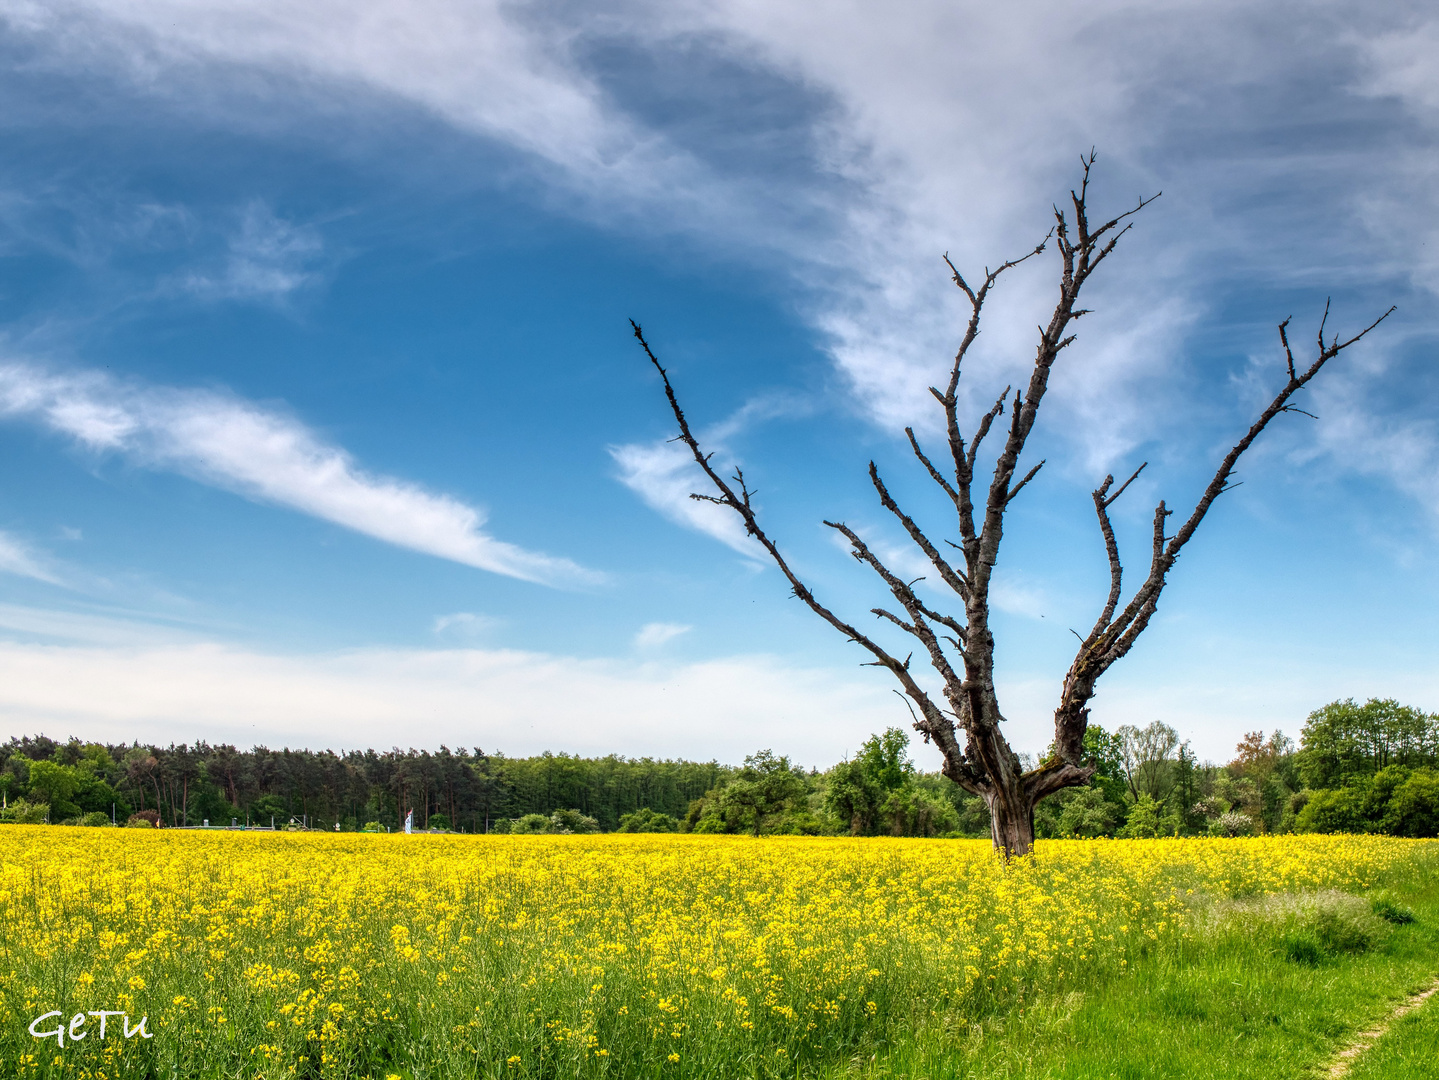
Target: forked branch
point(1113, 636)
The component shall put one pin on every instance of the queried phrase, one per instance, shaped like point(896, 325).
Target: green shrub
point(1413, 808)
point(373, 826)
point(646, 820)
point(21, 812)
point(1143, 820)
point(572, 821)
point(96, 818)
point(910, 811)
point(1087, 813)
point(709, 824)
point(800, 823)
point(1331, 810)
point(530, 824)
point(145, 819)
point(439, 822)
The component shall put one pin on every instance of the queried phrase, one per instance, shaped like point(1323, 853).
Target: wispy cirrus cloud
point(17, 557)
point(245, 252)
point(653, 635)
point(951, 129)
point(465, 626)
point(266, 258)
point(263, 454)
point(1401, 449)
point(477, 66)
point(664, 474)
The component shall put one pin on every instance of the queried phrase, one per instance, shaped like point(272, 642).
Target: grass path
point(1365, 1040)
point(1405, 1044)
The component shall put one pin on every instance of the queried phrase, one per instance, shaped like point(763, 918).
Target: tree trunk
point(1011, 823)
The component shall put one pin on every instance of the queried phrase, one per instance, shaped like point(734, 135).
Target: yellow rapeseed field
point(281, 955)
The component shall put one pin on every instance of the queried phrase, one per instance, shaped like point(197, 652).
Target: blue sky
point(324, 425)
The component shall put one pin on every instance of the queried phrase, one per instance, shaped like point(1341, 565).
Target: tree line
point(1358, 768)
point(464, 790)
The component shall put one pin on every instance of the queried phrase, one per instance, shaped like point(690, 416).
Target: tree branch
point(1020, 486)
point(952, 577)
point(1102, 502)
point(934, 473)
point(937, 726)
point(917, 610)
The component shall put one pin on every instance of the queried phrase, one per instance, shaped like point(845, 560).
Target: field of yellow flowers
point(380, 956)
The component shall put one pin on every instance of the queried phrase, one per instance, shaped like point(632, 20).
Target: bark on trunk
point(1011, 824)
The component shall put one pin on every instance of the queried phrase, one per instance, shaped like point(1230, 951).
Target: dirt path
point(1345, 1059)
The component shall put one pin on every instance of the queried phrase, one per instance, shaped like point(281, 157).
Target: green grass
point(1231, 1008)
point(1410, 1050)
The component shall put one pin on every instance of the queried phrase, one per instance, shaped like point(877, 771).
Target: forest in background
point(1357, 768)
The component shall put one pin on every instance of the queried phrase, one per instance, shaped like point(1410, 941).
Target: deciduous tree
point(56, 784)
point(1344, 741)
point(1148, 757)
point(766, 787)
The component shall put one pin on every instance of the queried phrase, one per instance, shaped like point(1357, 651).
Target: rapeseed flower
point(352, 955)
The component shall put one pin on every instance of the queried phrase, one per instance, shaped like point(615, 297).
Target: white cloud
point(1401, 64)
point(475, 65)
point(112, 678)
point(464, 626)
point(1403, 451)
point(664, 475)
point(17, 558)
point(952, 128)
point(103, 628)
point(268, 259)
point(262, 454)
point(499, 699)
point(1021, 597)
point(923, 164)
point(653, 635)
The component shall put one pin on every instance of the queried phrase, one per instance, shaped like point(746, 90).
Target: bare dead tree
point(960, 648)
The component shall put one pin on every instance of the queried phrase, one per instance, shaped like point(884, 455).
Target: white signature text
point(77, 1026)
